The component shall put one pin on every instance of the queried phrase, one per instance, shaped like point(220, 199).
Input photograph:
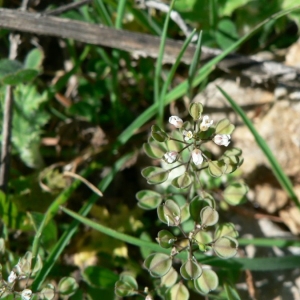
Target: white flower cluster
point(196, 155)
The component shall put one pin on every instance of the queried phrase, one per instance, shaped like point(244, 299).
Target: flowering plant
point(187, 206)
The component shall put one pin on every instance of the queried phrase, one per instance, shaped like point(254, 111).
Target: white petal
point(176, 121)
point(197, 157)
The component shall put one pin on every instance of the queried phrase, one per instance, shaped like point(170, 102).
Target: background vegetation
point(88, 110)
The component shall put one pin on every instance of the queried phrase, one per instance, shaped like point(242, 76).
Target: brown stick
point(141, 44)
point(145, 45)
point(6, 134)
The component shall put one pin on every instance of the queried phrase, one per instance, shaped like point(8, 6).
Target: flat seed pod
point(158, 134)
point(165, 239)
point(235, 193)
point(158, 264)
point(126, 286)
point(190, 270)
point(178, 292)
point(226, 229)
point(183, 181)
point(216, 168)
point(209, 216)
point(154, 150)
point(155, 175)
point(195, 110)
point(169, 213)
point(225, 246)
point(233, 152)
point(47, 293)
point(224, 127)
point(185, 212)
point(67, 286)
point(207, 282)
point(197, 204)
point(148, 199)
point(169, 279)
point(203, 238)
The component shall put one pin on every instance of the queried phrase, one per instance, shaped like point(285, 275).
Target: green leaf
point(225, 246)
point(158, 264)
point(67, 286)
point(226, 33)
point(155, 175)
point(178, 292)
point(9, 67)
point(154, 150)
point(226, 229)
point(224, 127)
point(195, 110)
point(34, 59)
point(216, 168)
point(148, 199)
point(209, 216)
point(22, 76)
point(169, 213)
point(169, 279)
point(99, 277)
point(207, 282)
point(183, 181)
point(126, 286)
point(166, 239)
point(235, 193)
point(190, 270)
point(29, 118)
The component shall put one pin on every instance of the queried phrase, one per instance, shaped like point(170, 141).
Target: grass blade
point(202, 74)
point(276, 168)
point(175, 66)
point(68, 234)
point(258, 264)
point(158, 67)
point(194, 65)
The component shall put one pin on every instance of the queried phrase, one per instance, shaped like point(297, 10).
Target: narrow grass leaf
point(158, 67)
point(276, 168)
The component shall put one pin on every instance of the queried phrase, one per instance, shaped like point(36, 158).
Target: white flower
point(206, 123)
point(176, 121)
point(187, 135)
point(12, 277)
point(26, 294)
point(222, 139)
point(170, 157)
point(197, 157)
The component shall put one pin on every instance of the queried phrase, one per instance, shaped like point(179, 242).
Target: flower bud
point(222, 139)
point(197, 157)
point(206, 123)
point(170, 157)
point(176, 121)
